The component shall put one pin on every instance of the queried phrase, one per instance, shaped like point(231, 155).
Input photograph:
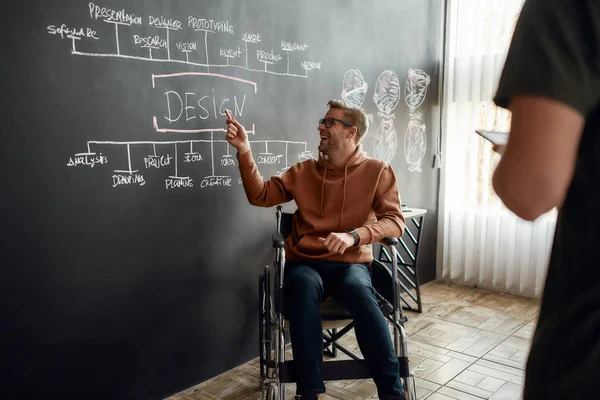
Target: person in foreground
point(346, 201)
point(551, 85)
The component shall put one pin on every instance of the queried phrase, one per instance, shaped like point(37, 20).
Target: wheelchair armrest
point(278, 215)
point(391, 241)
point(278, 240)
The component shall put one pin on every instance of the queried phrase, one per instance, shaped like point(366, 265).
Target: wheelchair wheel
point(410, 387)
point(265, 324)
point(269, 391)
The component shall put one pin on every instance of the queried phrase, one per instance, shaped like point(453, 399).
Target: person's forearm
point(526, 198)
point(243, 148)
point(259, 192)
point(251, 180)
point(390, 226)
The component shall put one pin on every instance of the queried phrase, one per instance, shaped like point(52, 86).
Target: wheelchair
point(276, 372)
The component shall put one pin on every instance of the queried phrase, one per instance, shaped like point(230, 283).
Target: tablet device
point(495, 137)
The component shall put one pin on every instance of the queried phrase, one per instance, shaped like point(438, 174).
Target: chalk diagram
point(415, 139)
point(415, 88)
point(386, 97)
point(354, 90)
point(187, 112)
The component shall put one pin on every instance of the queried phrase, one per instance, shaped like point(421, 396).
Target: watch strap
point(356, 237)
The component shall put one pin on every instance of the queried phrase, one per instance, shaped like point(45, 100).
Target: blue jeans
point(306, 285)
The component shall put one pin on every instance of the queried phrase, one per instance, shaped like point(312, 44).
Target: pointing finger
point(231, 119)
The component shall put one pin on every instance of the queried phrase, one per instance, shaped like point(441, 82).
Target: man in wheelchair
point(346, 202)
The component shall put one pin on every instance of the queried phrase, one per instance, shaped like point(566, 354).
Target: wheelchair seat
point(331, 310)
point(333, 315)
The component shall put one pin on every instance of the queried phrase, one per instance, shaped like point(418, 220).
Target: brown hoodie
point(362, 195)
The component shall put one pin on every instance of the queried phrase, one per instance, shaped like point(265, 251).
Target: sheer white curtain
point(482, 243)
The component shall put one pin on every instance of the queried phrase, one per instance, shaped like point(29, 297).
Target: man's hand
point(338, 242)
point(236, 134)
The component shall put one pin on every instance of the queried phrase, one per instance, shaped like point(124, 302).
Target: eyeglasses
point(328, 122)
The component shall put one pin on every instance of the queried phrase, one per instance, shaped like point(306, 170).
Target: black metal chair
point(274, 368)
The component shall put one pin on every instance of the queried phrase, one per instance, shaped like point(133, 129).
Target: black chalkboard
point(130, 255)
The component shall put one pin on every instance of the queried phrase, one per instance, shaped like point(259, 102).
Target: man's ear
point(352, 133)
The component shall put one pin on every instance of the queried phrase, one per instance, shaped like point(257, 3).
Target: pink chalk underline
point(204, 74)
point(165, 130)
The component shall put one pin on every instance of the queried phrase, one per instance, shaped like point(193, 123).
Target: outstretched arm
point(259, 192)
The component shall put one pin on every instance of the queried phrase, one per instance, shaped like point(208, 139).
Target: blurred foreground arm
point(550, 83)
point(539, 160)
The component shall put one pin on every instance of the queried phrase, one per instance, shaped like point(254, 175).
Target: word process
point(194, 41)
point(185, 159)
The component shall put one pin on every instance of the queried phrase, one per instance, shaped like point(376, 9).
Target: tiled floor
point(467, 344)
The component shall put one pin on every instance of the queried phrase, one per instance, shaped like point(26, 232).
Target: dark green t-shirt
point(555, 53)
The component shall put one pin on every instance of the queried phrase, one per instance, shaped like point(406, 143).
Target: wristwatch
point(356, 237)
